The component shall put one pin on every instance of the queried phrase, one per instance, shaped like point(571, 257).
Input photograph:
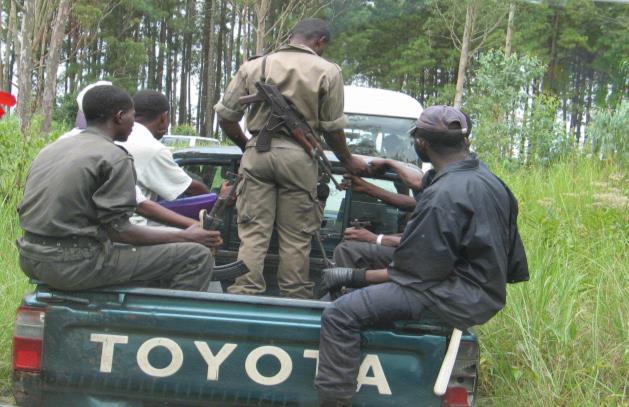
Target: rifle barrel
point(245, 100)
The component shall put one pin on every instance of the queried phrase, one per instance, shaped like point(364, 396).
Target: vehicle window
point(175, 142)
point(380, 137)
point(210, 175)
point(376, 215)
point(206, 143)
point(332, 224)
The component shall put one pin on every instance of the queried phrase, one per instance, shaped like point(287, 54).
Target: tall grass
point(562, 340)
point(16, 154)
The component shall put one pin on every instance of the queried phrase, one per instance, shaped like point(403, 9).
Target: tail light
point(461, 390)
point(28, 339)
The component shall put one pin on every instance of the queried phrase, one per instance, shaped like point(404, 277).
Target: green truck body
point(132, 346)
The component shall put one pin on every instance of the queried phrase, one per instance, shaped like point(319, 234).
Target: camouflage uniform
point(279, 186)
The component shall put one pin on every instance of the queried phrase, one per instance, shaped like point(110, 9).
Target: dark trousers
point(341, 325)
point(355, 254)
point(180, 266)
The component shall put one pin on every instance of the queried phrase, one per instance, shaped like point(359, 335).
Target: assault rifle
point(214, 221)
point(284, 117)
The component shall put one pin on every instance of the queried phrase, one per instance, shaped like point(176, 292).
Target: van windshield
point(380, 136)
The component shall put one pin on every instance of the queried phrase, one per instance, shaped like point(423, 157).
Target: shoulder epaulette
point(251, 58)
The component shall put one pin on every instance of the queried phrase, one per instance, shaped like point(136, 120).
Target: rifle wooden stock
point(214, 219)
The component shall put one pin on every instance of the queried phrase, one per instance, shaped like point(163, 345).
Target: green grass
point(562, 340)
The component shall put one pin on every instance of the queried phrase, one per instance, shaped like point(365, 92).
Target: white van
point(174, 141)
point(379, 121)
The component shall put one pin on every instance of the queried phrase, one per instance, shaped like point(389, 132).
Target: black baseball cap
point(441, 120)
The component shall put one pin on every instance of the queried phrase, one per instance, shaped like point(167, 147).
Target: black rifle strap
point(263, 143)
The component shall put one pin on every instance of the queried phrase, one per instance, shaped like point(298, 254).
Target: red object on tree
point(6, 99)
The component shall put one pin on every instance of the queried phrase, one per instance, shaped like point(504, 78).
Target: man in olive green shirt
point(279, 186)
point(78, 197)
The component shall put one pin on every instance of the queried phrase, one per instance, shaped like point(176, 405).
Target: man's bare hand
point(360, 234)
point(357, 184)
point(224, 191)
point(378, 166)
point(356, 166)
point(208, 238)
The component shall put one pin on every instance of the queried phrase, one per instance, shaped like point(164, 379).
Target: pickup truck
point(132, 346)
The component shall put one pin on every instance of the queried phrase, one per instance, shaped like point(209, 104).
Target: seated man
point(79, 194)
point(158, 174)
point(363, 249)
point(146, 208)
point(458, 251)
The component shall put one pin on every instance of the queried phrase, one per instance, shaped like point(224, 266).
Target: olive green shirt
point(311, 84)
point(77, 185)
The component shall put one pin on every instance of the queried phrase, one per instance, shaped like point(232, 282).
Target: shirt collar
point(95, 131)
point(140, 130)
point(297, 48)
point(469, 163)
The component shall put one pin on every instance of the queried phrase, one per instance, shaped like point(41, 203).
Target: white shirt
point(158, 173)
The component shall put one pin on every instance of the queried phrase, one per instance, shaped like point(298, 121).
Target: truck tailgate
point(162, 347)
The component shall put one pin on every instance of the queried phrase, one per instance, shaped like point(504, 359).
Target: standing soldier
point(279, 185)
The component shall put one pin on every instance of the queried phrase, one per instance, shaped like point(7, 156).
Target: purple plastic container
point(191, 206)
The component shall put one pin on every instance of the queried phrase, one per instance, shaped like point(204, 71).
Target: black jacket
point(462, 245)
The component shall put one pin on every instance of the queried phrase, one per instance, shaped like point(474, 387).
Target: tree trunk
point(207, 111)
point(152, 59)
point(5, 38)
point(470, 17)
point(510, 29)
point(551, 76)
point(25, 66)
point(219, 59)
point(159, 72)
point(237, 50)
point(52, 63)
point(186, 64)
point(262, 10)
point(10, 46)
point(207, 10)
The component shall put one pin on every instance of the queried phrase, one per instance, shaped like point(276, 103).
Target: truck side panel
point(219, 349)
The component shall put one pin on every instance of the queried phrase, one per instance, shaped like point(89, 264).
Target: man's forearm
point(156, 212)
point(336, 141)
point(197, 188)
point(408, 175)
point(403, 202)
point(391, 240)
point(377, 276)
point(145, 236)
point(234, 132)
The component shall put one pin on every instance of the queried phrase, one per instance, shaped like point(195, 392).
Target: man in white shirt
point(158, 174)
point(146, 208)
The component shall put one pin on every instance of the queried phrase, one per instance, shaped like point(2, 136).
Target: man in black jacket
point(458, 251)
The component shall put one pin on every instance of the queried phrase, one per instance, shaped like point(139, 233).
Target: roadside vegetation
point(563, 337)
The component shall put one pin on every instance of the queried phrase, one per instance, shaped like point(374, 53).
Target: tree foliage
point(189, 49)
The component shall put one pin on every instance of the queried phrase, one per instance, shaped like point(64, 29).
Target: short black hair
point(149, 104)
point(310, 28)
point(103, 102)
